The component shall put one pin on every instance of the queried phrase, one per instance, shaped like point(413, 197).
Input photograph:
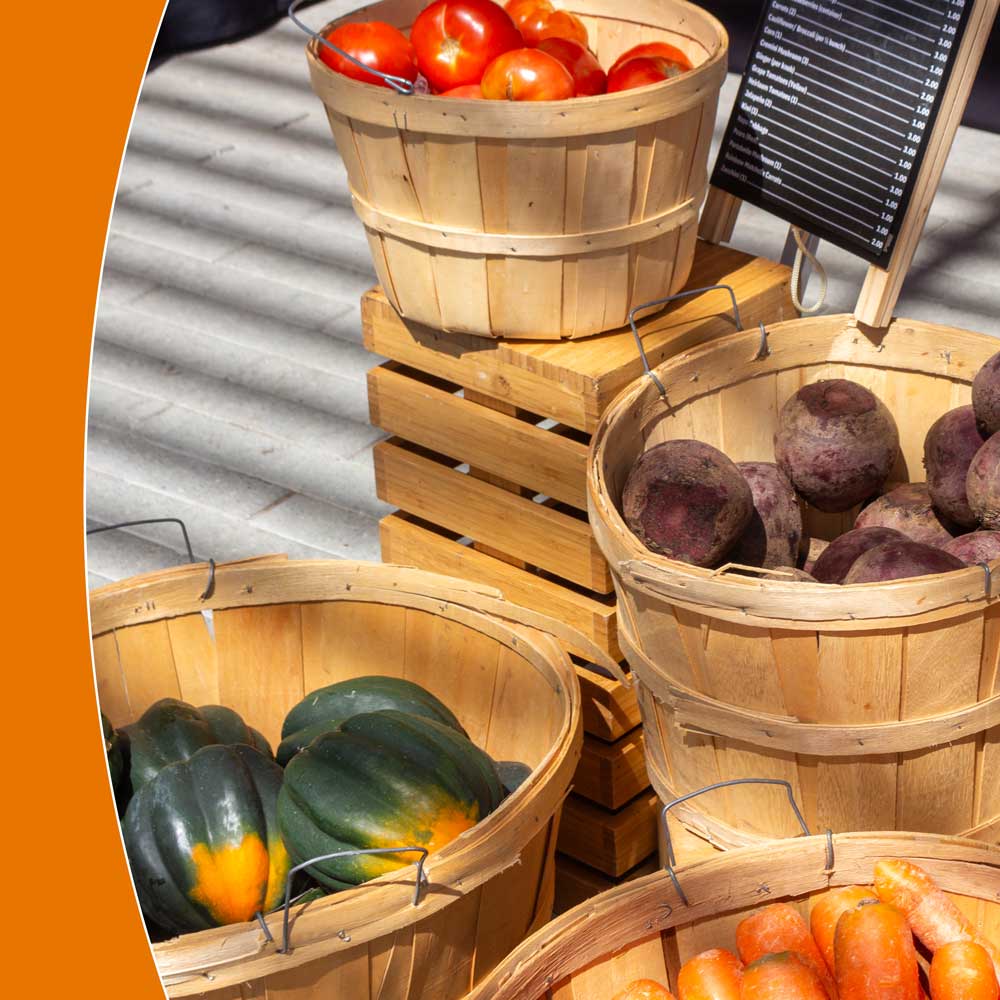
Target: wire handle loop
point(398, 83)
point(671, 858)
point(988, 573)
point(662, 302)
point(421, 881)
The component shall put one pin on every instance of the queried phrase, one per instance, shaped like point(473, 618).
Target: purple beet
point(949, 448)
point(976, 547)
point(909, 509)
point(688, 501)
point(901, 561)
point(837, 443)
point(986, 396)
point(983, 484)
point(842, 553)
point(775, 531)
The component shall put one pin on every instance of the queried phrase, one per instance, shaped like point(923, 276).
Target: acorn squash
point(322, 711)
point(384, 779)
point(203, 841)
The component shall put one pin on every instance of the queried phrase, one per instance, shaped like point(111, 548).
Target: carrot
point(874, 955)
point(828, 910)
point(785, 976)
point(778, 928)
point(935, 919)
point(644, 989)
point(963, 970)
point(712, 975)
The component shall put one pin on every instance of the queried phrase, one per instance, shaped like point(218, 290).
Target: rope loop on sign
point(801, 254)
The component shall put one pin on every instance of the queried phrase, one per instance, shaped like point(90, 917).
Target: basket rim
point(652, 904)
point(237, 953)
point(741, 598)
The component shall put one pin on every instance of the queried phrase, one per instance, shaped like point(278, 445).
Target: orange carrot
point(644, 989)
point(712, 975)
point(778, 928)
point(874, 955)
point(828, 910)
point(935, 919)
point(963, 970)
point(786, 976)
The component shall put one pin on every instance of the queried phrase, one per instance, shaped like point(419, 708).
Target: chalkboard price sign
point(836, 108)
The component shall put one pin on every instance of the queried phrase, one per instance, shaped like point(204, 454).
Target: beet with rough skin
point(949, 448)
point(909, 509)
point(986, 396)
point(983, 484)
point(688, 501)
point(975, 547)
point(837, 443)
point(901, 561)
point(843, 552)
point(775, 531)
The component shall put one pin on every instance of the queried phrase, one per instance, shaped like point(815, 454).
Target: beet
point(900, 561)
point(986, 396)
point(837, 443)
point(909, 509)
point(983, 484)
point(976, 547)
point(775, 531)
point(842, 553)
point(949, 448)
point(688, 501)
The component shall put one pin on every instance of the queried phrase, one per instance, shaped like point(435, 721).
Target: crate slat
point(612, 842)
point(611, 774)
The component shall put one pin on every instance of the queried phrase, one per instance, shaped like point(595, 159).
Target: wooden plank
point(445, 423)
point(642, 959)
point(147, 664)
point(539, 535)
point(610, 709)
point(611, 774)
point(111, 690)
point(577, 882)
point(612, 842)
point(194, 659)
point(407, 543)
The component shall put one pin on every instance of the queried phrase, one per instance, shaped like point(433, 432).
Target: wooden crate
point(487, 465)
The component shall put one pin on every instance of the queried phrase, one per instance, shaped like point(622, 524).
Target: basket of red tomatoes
point(527, 170)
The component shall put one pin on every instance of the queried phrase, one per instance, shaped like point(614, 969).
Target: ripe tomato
point(471, 92)
point(563, 24)
point(376, 44)
point(457, 39)
point(538, 19)
point(527, 75)
point(641, 72)
point(588, 77)
point(661, 49)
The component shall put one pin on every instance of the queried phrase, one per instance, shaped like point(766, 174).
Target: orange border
point(72, 74)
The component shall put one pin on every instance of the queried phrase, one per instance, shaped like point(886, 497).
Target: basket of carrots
point(859, 916)
point(528, 170)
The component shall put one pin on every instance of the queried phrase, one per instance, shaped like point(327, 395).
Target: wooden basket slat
point(194, 659)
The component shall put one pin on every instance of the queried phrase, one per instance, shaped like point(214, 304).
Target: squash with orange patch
point(203, 842)
point(383, 779)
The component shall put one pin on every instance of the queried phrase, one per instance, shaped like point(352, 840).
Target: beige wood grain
point(147, 664)
point(112, 693)
point(194, 659)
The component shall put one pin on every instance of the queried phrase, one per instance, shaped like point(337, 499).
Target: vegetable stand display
point(518, 416)
point(280, 629)
point(541, 220)
point(647, 930)
point(878, 702)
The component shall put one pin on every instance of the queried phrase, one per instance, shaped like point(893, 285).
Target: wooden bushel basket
point(283, 628)
point(880, 703)
point(645, 930)
point(544, 219)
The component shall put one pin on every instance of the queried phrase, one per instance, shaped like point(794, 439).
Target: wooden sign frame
point(882, 286)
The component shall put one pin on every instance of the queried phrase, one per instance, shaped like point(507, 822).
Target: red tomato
point(641, 72)
point(457, 39)
point(527, 75)
point(661, 49)
point(471, 92)
point(563, 24)
point(588, 77)
point(530, 17)
point(376, 44)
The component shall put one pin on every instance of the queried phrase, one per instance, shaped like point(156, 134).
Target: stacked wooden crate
point(486, 464)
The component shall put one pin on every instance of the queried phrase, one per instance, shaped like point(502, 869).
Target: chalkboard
point(835, 111)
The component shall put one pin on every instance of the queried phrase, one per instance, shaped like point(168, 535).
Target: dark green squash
point(113, 749)
point(203, 842)
point(172, 730)
point(323, 710)
point(384, 779)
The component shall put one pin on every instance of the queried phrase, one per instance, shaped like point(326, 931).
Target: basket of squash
point(529, 170)
point(333, 774)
